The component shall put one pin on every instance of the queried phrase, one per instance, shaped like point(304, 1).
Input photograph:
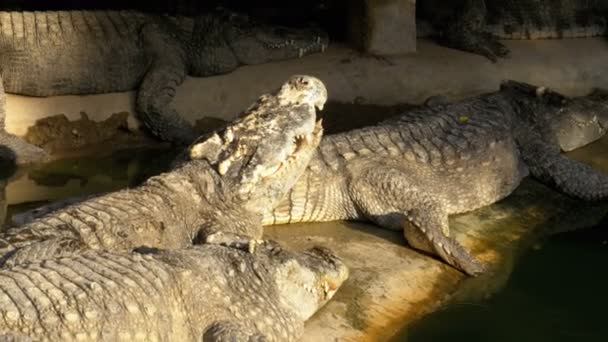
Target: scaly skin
point(224, 182)
point(411, 172)
point(202, 293)
point(476, 25)
point(88, 52)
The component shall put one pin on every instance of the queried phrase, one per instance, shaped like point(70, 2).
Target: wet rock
point(57, 135)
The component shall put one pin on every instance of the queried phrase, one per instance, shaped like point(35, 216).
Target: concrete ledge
point(350, 76)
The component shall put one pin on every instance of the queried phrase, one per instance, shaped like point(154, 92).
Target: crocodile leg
point(386, 197)
point(12, 148)
point(466, 33)
point(484, 44)
point(224, 331)
point(166, 73)
point(572, 177)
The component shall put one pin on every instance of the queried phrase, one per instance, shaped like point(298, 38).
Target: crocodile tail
point(571, 177)
point(42, 27)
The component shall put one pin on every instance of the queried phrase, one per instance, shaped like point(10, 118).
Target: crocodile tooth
point(540, 91)
point(300, 53)
point(228, 136)
point(223, 167)
point(320, 104)
point(308, 139)
point(318, 127)
point(251, 246)
point(323, 47)
point(272, 171)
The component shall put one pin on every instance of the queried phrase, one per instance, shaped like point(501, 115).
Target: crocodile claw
point(233, 240)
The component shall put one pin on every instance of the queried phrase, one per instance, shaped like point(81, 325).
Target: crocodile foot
point(479, 43)
point(233, 240)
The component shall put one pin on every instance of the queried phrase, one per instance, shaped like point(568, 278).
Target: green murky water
point(30, 187)
point(556, 293)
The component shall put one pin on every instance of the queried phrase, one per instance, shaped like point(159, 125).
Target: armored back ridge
point(89, 52)
point(222, 186)
point(410, 172)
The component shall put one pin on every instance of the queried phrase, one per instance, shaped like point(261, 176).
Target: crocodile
point(200, 293)
point(477, 25)
point(222, 183)
point(89, 52)
point(410, 172)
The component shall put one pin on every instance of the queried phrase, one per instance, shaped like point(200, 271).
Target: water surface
point(558, 292)
point(29, 187)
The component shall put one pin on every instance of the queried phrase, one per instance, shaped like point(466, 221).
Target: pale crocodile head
point(260, 155)
point(570, 122)
point(305, 280)
point(223, 40)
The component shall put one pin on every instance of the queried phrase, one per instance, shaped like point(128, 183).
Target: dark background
point(328, 14)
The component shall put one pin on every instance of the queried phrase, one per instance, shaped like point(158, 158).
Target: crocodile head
point(305, 280)
point(260, 155)
point(570, 122)
point(255, 43)
point(581, 121)
point(223, 40)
